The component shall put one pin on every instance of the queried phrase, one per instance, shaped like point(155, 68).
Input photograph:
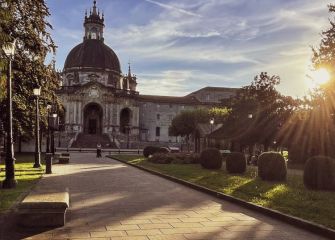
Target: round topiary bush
point(272, 166)
point(236, 163)
point(211, 159)
point(319, 173)
point(149, 150)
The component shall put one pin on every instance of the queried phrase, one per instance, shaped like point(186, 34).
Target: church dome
point(93, 54)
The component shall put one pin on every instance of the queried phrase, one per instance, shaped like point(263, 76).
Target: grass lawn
point(290, 197)
point(26, 176)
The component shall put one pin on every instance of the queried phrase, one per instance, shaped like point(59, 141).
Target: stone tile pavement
point(110, 200)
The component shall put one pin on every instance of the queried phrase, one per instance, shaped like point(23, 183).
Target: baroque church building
point(103, 105)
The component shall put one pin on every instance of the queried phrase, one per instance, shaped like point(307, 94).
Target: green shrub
point(211, 159)
point(236, 163)
point(319, 173)
point(161, 158)
point(186, 158)
point(150, 150)
point(272, 166)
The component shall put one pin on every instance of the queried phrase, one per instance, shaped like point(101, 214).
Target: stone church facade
point(100, 100)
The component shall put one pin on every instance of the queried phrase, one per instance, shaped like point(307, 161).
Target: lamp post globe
point(37, 164)
point(9, 182)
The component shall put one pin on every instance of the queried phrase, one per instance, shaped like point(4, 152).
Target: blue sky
point(179, 46)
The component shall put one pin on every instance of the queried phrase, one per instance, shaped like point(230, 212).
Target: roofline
point(213, 88)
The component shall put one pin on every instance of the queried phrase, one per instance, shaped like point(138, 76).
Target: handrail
point(106, 150)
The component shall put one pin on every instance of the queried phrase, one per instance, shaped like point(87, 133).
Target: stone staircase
point(91, 141)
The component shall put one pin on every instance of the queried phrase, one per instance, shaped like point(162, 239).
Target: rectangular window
point(158, 131)
point(158, 116)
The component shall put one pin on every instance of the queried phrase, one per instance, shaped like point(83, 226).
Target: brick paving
point(109, 200)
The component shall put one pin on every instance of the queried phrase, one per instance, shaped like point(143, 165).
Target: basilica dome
point(92, 54)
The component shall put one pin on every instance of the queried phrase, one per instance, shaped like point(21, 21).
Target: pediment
point(93, 90)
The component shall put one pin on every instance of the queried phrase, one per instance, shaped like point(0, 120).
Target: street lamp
point(2, 134)
point(48, 135)
point(211, 122)
point(9, 182)
point(53, 128)
point(37, 164)
point(250, 115)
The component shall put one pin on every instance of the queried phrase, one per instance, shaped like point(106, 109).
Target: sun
point(318, 77)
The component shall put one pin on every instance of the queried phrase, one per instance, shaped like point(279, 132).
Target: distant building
point(103, 105)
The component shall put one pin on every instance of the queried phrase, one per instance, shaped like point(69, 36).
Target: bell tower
point(94, 24)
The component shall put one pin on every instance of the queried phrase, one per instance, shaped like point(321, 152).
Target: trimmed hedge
point(211, 158)
point(186, 158)
point(319, 173)
point(175, 158)
point(161, 158)
point(236, 163)
point(272, 166)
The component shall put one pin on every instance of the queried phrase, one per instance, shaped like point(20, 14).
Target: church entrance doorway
point(93, 119)
point(125, 118)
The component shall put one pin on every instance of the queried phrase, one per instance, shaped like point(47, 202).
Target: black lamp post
point(211, 122)
point(59, 133)
point(2, 135)
point(9, 182)
point(48, 133)
point(53, 128)
point(37, 164)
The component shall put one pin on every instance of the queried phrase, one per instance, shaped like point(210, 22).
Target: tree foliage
point(26, 21)
point(268, 108)
point(185, 123)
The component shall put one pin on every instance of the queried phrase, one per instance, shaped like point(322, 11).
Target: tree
point(269, 110)
point(185, 123)
point(26, 21)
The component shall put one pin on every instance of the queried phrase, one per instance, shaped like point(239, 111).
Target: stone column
point(74, 112)
point(67, 117)
point(80, 117)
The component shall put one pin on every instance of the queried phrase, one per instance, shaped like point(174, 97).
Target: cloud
point(176, 82)
point(173, 8)
point(190, 44)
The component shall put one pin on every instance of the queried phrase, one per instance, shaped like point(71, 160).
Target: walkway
point(110, 200)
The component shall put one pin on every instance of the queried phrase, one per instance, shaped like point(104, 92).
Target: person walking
point(98, 150)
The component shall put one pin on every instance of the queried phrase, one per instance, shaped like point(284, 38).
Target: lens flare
point(320, 76)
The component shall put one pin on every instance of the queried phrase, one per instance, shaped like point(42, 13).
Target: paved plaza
point(109, 200)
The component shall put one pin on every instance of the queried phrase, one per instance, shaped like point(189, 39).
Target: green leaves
point(26, 20)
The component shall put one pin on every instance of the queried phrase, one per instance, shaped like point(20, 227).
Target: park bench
point(43, 209)
point(64, 158)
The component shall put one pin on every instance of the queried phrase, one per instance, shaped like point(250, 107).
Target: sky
point(179, 46)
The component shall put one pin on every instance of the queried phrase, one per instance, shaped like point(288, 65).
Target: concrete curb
point(298, 222)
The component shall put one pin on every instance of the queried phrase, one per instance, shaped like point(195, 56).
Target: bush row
point(319, 172)
point(176, 158)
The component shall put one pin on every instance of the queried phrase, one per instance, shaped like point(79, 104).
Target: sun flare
point(320, 76)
